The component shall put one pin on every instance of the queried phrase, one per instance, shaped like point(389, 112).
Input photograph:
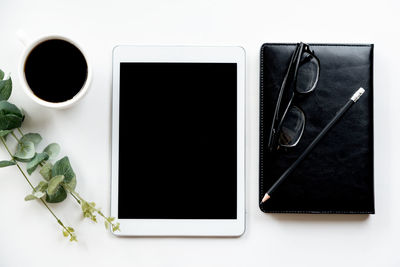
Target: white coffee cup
point(29, 46)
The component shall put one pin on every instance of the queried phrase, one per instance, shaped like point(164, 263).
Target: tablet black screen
point(178, 141)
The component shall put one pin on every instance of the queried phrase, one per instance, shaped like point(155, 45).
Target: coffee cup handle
point(23, 37)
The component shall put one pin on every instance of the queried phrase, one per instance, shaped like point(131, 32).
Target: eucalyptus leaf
point(35, 195)
point(52, 150)
point(58, 196)
point(30, 197)
point(8, 108)
point(5, 88)
point(10, 116)
point(4, 133)
point(63, 167)
point(71, 185)
point(23, 114)
point(1, 75)
point(45, 171)
point(25, 151)
point(54, 184)
point(10, 121)
point(39, 194)
point(6, 163)
point(35, 138)
point(42, 186)
point(39, 158)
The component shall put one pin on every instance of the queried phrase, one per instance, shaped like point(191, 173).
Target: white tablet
point(178, 140)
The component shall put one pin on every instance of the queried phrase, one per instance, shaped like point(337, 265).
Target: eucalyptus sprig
point(59, 179)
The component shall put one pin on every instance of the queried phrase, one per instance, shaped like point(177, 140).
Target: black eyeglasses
point(301, 78)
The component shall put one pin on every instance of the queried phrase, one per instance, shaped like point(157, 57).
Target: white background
point(29, 236)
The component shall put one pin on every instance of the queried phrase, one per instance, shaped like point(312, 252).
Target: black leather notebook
point(337, 176)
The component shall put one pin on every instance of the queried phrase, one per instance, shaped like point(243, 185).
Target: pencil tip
point(265, 198)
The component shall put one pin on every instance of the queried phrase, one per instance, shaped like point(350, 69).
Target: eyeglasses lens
point(292, 127)
point(307, 73)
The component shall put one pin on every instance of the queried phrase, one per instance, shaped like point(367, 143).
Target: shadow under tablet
point(178, 141)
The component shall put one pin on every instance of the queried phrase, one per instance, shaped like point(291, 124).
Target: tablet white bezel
point(181, 227)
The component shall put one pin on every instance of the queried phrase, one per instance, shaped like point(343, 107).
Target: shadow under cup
point(56, 70)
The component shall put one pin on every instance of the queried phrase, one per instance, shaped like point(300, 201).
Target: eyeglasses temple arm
point(272, 135)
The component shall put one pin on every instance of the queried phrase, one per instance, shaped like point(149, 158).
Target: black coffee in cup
point(56, 70)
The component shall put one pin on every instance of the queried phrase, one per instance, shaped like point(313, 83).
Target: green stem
point(16, 163)
point(79, 199)
point(20, 132)
point(26, 178)
point(5, 145)
point(16, 138)
point(55, 216)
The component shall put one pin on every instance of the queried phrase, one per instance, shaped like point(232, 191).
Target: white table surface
point(29, 236)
